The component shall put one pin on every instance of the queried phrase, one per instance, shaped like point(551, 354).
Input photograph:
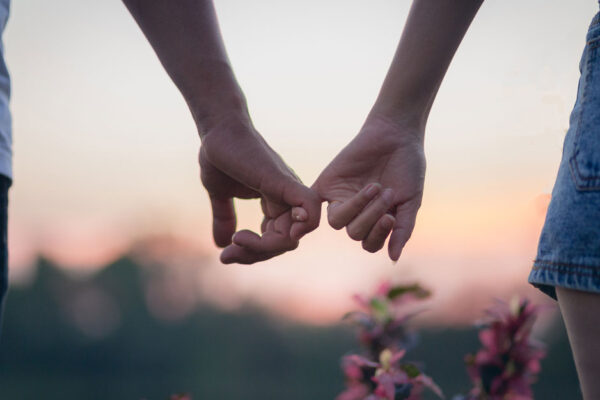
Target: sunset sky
point(105, 148)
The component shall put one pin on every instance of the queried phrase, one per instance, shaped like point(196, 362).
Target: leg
point(581, 313)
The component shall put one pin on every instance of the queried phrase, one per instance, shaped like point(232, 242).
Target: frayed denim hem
point(547, 275)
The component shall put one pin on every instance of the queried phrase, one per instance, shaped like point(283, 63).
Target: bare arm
point(235, 160)
point(186, 37)
point(389, 148)
point(434, 30)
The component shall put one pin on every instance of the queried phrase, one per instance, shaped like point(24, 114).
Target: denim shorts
point(569, 248)
point(4, 186)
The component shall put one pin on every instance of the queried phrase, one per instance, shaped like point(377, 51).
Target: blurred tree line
point(67, 337)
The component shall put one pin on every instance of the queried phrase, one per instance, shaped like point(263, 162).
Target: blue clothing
point(4, 185)
point(5, 117)
point(5, 158)
point(569, 248)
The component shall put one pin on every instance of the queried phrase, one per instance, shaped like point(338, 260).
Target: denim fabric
point(569, 248)
point(5, 116)
point(4, 185)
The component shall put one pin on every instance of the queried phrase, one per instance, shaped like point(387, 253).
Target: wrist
point(213, 95)
point(211, 116)
point(401, 122)
point(405, 112)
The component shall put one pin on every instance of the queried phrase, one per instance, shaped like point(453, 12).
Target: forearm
point(433, 32)
point(185, 35)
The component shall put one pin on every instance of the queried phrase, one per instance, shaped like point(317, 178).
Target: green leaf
point(411, 370)
point(415, 289)
point(359, 318)
point(380, 309)
point(349, 315)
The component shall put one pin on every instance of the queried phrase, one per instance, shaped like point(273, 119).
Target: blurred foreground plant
point(503, 369)
point(381, 373)
point(509, 360)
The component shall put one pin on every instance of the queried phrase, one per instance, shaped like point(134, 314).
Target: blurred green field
point(211, 354)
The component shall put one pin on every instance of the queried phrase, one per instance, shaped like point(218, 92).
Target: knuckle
point(314, 197)
point(384, 205)
point(362, 201)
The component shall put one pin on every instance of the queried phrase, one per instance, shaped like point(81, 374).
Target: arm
point(434, 30)
point(388, 151)
point(185, 35)
point(235, 160)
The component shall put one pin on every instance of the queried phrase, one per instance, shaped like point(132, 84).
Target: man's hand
point(235, 161)
point(374, 186)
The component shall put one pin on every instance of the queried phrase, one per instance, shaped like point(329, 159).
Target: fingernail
point(372, 190)
point(299, 214)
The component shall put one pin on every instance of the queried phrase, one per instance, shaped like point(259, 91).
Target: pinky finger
point(299, 214)
point(376, 238)
point(406, 215)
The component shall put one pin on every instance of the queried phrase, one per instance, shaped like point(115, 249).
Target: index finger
point(275, 238)
point(241, 255)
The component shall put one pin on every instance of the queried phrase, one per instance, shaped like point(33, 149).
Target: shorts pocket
point(585, 158)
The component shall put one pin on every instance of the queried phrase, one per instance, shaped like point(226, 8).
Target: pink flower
point(354, 392)
point(385, 380)
point(381, 321)
point(506, 365)
point(382, 317)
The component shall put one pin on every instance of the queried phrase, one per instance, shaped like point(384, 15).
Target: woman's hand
point(374, 186)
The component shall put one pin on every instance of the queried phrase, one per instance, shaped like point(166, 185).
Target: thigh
point(581, 313)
